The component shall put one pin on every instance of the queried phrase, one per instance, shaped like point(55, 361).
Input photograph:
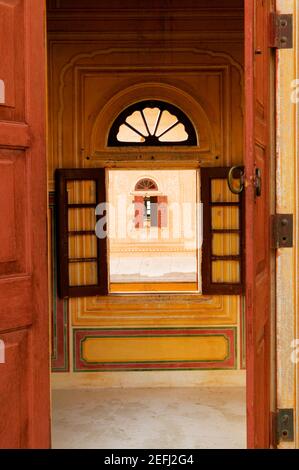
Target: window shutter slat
point(223, 234)
point(82, 256)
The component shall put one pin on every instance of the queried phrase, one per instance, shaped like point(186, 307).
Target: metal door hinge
point(281, 31)
point(282, 231)
point(284, 425)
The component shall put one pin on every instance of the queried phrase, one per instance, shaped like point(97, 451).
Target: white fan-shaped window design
point(152, 123)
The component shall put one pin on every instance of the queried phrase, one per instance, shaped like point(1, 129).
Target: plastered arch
point(152, 90)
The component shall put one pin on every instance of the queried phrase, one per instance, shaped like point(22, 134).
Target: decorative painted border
point(80, 335)
point(242, 334)
point(59, 314)
point(194, 311)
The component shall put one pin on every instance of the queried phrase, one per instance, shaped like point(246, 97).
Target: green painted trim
point(158, 328)
point(153, 370)
point(243, 334)
point(152, 362)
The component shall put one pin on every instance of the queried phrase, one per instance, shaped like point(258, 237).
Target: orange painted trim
point(118, 287)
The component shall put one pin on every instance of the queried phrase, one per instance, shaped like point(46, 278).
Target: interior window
point(153, 241)
point(152, 123)
point(153, 230)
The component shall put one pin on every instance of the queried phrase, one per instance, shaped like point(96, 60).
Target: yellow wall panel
point(143, 349)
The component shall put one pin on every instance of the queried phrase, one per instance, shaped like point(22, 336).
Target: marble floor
point(150, 418)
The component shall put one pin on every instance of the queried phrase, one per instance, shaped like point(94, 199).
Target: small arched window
point(152, 123)
point(150, 211)
point(146, 184)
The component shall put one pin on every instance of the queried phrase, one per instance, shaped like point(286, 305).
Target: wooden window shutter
point(139, 211)
point(223, 234)
point(82, 256)
point(162, 211)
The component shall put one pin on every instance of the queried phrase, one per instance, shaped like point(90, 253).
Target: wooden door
point(257, 160)
point(24, 369)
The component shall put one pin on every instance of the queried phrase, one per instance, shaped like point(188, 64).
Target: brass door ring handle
point(230, 178)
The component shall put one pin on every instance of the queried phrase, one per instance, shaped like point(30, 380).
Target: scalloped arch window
point(152, 123)
point(146, 184)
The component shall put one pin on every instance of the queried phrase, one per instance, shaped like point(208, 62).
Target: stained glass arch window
point(152, 123)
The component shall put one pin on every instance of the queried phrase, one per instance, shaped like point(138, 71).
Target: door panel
point(257, 156)
point(14, 424)
point(24, 377)
point(13, 207)
point(12, 58)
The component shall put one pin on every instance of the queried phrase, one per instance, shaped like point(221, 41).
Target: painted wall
point(193, 59)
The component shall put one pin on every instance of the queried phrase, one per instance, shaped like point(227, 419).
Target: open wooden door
point(24, 367)
point(257, 171)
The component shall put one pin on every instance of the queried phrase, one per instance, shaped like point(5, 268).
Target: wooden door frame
point(259, 428)
point(250, 111)
point(36, 116)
